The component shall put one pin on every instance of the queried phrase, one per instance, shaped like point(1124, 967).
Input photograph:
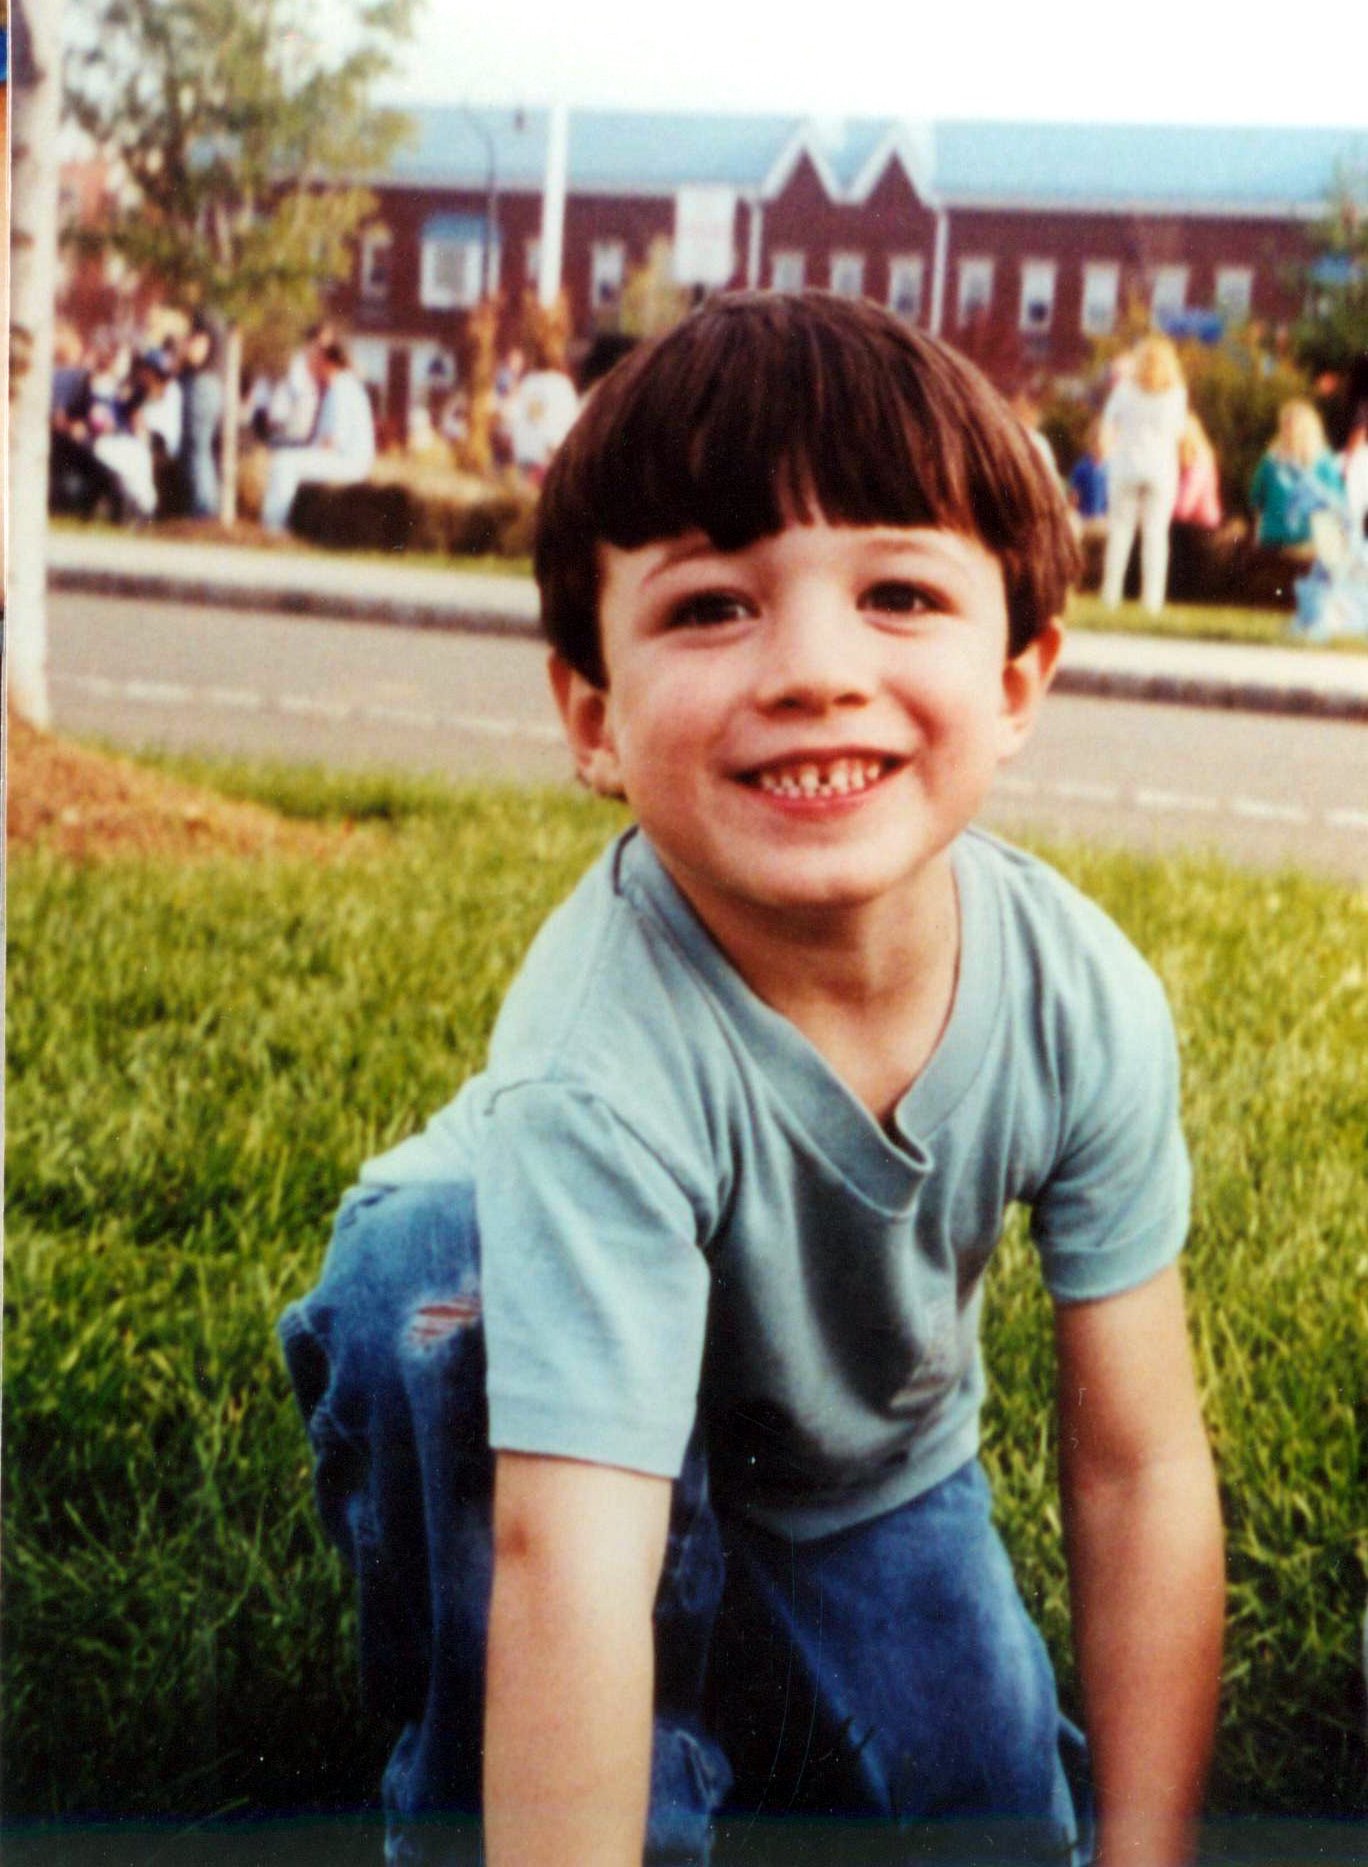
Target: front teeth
point(838, 779)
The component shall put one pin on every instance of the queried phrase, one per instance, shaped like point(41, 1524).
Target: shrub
point(371, 516)
point(1237, 391)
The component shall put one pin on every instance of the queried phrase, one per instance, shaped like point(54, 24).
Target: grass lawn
point(1196, 622)
point(201, 1055)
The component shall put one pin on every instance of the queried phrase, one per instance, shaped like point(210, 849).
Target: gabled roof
point(961, 164)
point(1203, 168)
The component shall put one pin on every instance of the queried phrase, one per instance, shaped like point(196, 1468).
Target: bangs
point(753, 419)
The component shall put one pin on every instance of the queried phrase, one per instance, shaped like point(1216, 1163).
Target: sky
point(1172, 61)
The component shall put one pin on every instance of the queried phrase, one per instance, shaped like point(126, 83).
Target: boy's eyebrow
point(681, 550)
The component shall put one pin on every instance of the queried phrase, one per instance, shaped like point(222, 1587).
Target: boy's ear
point(588, 729)
point(1025, 681)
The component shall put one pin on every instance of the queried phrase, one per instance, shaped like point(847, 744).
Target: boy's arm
point(570, 1694)
point(1143, 1539)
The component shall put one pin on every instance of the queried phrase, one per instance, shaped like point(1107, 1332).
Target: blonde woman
point(1144, 419)
point(1296, 477)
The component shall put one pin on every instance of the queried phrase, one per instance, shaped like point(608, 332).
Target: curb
point(337, 606)
point(1244, 696)
point(1230, 696)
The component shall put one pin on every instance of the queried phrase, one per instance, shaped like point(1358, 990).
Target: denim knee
point(386, 1357)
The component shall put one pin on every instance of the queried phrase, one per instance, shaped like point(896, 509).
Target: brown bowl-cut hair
point(766, 409)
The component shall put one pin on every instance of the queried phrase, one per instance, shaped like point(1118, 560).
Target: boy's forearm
point(567, 1734)
point(569, 1697)
point(1147, 1577)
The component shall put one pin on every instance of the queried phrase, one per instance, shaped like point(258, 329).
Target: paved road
point(1259, 788)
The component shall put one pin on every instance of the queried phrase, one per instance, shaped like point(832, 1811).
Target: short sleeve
point(595, 1286)
point(1114, 1209)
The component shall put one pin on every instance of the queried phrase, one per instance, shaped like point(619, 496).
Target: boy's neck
point(871, 988)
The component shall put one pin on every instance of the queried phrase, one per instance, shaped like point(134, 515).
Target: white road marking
point(1267, 812)
point(400, 716)
point(313, 708)
point(158, 693)
point(1081, 792)
point(1149, 799)
point(240, 697)
point(1347, 819)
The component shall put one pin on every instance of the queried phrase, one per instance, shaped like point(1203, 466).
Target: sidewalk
point(1126, 667)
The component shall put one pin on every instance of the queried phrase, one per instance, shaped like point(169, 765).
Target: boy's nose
point(813, 659)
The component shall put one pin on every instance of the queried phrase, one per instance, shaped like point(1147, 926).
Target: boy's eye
point(707, 607)
point(898, 598)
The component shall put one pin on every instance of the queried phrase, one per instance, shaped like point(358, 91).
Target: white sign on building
point(705, 235)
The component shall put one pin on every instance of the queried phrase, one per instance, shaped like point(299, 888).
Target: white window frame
point(377, 244)
point(847, 274)
point(1039, 278)
point(1234, 295)
point(974, 288)
point(1101, 297)
point(788, 271)
point(607, 274)
point(907, 287)
point(451, 273)
point(1168, 291)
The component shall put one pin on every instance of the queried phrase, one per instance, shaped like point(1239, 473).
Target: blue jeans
point(889, 1672)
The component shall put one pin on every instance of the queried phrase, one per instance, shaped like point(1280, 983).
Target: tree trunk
point(36, 92)
point(232, 406)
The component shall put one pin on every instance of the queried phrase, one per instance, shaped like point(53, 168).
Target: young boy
point(720, 1206)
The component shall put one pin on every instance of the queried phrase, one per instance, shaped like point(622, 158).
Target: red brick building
point(1024, 242)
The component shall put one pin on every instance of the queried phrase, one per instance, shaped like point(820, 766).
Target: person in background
point(1297, 476)
point(1143, 420)
point(1354, 468)
point(1196, 512)
point(343, 448)
point(142, 423)
point(295, 405)
point(1026, 406)
point(1087, 484)
point(537, 417)
point(78, 480)
point(202, 401)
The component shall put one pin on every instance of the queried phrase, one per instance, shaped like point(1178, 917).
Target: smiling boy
point(719, 1208)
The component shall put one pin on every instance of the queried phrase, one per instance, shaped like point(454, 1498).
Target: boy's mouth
point(840, 776)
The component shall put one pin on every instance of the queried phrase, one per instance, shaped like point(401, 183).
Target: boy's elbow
point(579, 1534)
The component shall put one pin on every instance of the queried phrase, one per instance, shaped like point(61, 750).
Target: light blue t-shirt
point(680, 1202)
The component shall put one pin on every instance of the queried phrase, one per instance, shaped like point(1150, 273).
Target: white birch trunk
point(35, 92)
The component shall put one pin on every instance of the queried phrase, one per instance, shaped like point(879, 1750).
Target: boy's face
point(807, 723)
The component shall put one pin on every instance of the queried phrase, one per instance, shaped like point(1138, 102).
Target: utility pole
point(553, 206)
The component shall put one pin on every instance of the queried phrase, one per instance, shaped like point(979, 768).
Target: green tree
point(241, 140)
point(1334, 329)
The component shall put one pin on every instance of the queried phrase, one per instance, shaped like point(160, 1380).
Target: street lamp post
point(483, 131)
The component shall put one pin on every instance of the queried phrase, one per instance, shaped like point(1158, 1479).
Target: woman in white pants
point(1143, 419)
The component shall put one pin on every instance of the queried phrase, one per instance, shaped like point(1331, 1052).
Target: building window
point(451, 273)
point(1037, 295)
point(375, 263)
point(975, 289)
point(1168, 293)
point(905, 281)
point(787, 272)
point(607, 274)
point(532, 261)
point(847, 274)
point(1235, 292)
point(1101, 294)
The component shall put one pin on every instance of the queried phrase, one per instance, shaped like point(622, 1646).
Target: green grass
point(200, 1057)
point(1198, 622)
